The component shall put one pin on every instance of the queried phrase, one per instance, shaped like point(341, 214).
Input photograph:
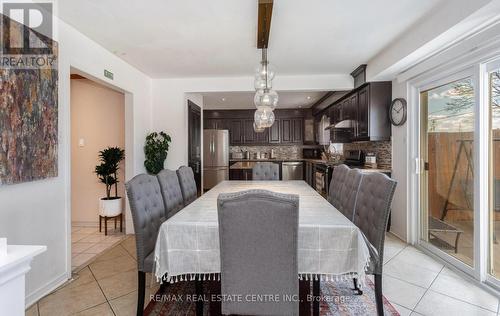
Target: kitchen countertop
point(249, 163)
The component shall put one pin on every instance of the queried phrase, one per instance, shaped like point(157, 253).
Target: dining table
point(330, 246)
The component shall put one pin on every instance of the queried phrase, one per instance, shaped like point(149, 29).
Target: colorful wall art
point(28, 116)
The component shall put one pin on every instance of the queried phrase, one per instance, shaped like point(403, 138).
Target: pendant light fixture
point(265, 99)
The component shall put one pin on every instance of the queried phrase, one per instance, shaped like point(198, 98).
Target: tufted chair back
point(349, 193)
point(188, 184)
point(148, 213)
point(171, 192)
point(338, 177)
point(258, 237)
point(372, 213)
point(266, 171)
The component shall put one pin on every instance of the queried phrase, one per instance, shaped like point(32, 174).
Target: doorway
point(97, 123)
point(194, 142)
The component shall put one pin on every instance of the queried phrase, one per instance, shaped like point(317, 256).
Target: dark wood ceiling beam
point(264, 22)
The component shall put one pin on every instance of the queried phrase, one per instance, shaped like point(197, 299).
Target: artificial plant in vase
point(107, 172)
point(156, 150)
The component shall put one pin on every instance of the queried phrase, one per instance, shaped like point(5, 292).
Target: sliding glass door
point(494, 169)
point(447, 179)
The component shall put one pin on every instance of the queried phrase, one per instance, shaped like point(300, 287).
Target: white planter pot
point(110, 208)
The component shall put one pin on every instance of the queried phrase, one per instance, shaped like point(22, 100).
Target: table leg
point(305, 303)
point(316, 296)
point(199, 295)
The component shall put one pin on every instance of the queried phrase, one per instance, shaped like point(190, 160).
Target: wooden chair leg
point(378, 295)
point(100, 223)
point(105, 226)
point(115, 221)
point(141, 292)
point(121, 222)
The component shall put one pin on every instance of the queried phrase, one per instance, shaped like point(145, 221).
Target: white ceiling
point(244, 100)
point(198, 38)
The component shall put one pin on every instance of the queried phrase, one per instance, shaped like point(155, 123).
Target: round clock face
point(398, 112)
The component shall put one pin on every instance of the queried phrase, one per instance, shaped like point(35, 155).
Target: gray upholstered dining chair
point(148, 213)
point(258, 235)
point(349, 193)
point(338, 177)
point(371, 216)
point(170, 191)
point(188, 184)
point(266, 171)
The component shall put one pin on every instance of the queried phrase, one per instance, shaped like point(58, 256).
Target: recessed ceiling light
point(308, 97)
point(223, 99)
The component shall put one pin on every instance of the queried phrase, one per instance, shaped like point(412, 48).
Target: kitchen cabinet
point(250, 136)
point(362, 113)
point(240, 174)
point(367, 106)
point(275, 132)
point(298, 130)
point(236, 132)
point(308, 173)
point(288, 127)
point(372, 113)
point(286, 131)
point(292, 130)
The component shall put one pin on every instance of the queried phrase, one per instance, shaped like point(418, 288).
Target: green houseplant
point(156, 150)
point(107, 173)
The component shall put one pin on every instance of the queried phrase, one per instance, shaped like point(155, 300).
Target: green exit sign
point(108, 74)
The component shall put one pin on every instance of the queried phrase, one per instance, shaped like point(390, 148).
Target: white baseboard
point(86, 224)
point(44, 290)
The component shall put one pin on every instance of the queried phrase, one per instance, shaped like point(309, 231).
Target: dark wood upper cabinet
point(236, 132)
point(249, 134)
point(373, 115)
point(368, 106)
point(298, 130)
point(362, 113)
point(262, 137)
point(287, 128)
point(275, 132)
point(287, 131)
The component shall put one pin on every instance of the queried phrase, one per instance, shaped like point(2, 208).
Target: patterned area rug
point(337, 298)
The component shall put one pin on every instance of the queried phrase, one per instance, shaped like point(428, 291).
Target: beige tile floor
point(105, 286)
point(88, 242)
point(413, 282)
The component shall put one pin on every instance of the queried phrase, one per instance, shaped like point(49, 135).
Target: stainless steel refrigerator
point(215, 157)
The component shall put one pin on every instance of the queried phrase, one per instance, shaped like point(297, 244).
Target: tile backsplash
point(383, 151)
point(281, 152)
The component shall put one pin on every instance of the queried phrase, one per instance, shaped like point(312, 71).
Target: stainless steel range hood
point(345, 124)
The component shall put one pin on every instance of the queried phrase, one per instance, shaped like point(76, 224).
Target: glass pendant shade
point(264, 117)
point(262, 84)
point(258, 129)
point(266, 98)
point(265, 71)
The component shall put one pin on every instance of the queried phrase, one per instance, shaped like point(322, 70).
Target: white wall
point(170, 106)
point(400, 164)
point(39, 212)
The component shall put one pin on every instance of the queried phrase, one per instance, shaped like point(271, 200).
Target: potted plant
point(107, 172)
point(156, 149)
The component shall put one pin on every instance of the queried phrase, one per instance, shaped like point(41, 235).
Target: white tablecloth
point(330, 246)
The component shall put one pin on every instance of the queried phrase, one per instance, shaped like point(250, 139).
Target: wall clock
point(397, 112)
